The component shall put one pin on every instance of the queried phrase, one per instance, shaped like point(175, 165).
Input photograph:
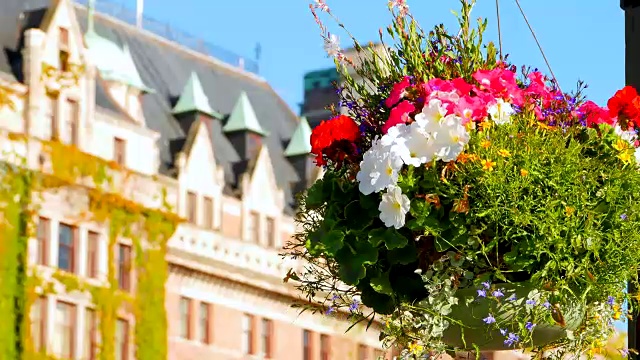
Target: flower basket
point(469, 319)
point(467, 204)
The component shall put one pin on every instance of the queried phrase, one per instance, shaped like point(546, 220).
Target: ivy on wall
point(147, 229)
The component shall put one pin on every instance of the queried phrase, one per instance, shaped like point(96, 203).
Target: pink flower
point(471, 108)
point(462, 86)
point(399, 115)
point(594, 114)
point(501, 83)
point(398, 92)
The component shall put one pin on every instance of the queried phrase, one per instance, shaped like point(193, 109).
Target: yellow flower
point(470, 126)
point(621, 145)
point(504, 153)
point(524, 172)
point(616, 312)
point(485, 125)
point(625, 156)
point(485, 144)
point(415, 348)
point(569, 210)
point(487, 164)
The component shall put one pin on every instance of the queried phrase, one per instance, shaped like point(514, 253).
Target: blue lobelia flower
point(489, 319)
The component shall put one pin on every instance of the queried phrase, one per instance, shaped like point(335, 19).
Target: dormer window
point(253, 228)
point(63, 48)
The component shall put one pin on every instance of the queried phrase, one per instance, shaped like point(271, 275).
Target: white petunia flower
point(501, 112)
point(415, 145)
point(393, 207)
point(379, 168)
point(450, 138)
point(627, 135)
point(431, 115)
point(637, 155)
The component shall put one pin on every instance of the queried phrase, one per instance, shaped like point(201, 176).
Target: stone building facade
point(183, 131)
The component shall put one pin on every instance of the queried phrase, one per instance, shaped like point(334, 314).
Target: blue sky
point(582, 40)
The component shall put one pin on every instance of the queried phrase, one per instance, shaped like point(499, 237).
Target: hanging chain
point(499, 30)
point(555, 80)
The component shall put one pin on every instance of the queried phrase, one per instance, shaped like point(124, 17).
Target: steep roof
point(300, 143)
point(243, 117)
point(166, 67)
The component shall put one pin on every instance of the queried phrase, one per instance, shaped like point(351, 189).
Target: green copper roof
point(193, 98)
point(243, 117)
point(113, 62)
point(300, 143)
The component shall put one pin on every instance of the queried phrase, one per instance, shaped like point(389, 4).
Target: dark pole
point(632, 77)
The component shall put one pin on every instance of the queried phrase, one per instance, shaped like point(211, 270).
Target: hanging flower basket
point(469, 318)
point(466, 203)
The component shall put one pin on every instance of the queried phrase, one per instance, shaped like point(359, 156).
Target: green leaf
point(404, 255)
point(333, 241)
point(381, 284)
point(365, 253)
point(356, 218)
point(376, 236)
point(442, 244)
point(351, 267)
point(393, 239)
point(315, 195)
point(351, 273)
point(380, 303)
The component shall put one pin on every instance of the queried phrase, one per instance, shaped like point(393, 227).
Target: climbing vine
point(65, 167)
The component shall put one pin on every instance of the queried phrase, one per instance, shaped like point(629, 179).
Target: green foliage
point(19, 196)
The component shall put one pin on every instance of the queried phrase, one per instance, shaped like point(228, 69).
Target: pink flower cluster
point(472, 101)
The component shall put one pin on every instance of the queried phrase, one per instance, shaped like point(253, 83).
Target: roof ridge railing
point(168, 32)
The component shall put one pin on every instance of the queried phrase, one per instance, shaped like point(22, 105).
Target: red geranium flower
point(625, 105)
point(334, 140)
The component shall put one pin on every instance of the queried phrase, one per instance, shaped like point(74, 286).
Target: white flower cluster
point(433, 135)
point(630, 136)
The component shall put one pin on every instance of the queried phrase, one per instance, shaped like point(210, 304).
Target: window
point(63, 38)
point(270, 232)
point(38, 323)
point(90, 335)
point(119, 151)
point(51, 117)
point(93, 242)
point(204, 323)
point(124, 267)
point(72, 122)
point(122, 338)
point(192, 206)
point(67, 248)
point(254, 227)
point(63, 45)
point(325, 347)
point(64, 333)
point(306, 345)
point(362, 352)
point(247, 334)
point(267, 338)
point(208, 212)
point(185, 318)
point(42, 236)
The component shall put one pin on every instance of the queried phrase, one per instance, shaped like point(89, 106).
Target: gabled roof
point(300, 143)
point(243, 117)
point(166, 67)
point(193, 98)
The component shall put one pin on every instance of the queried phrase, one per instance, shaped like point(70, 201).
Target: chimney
point(139, 13)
